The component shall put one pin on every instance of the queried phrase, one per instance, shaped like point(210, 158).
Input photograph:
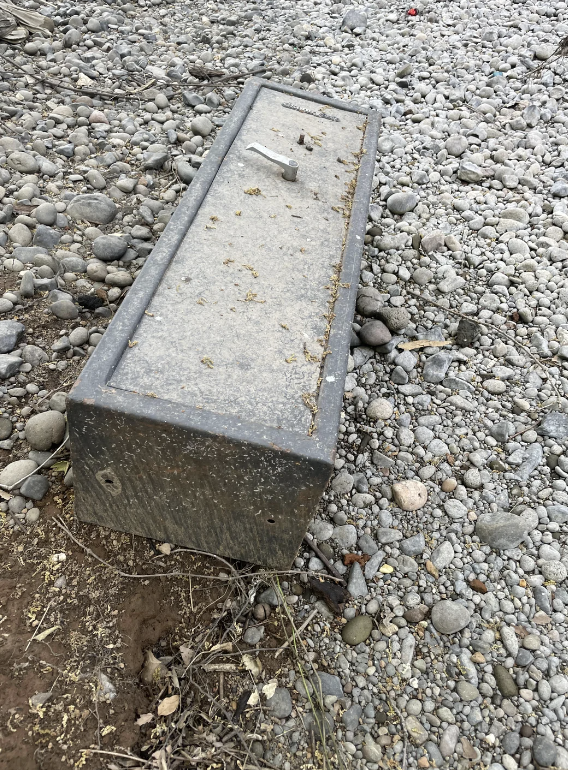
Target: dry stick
point(228, 717)
point(38, 625)
point(325, 560)
point(70, 87)
point(507, 336)
point(297, 632)
point(62, 526)
point(403, 725)
point(39, 467)
point(116, 754)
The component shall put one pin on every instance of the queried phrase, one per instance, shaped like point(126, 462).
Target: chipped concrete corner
point(226, 442)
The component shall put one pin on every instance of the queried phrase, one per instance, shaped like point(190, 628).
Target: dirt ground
point(74, 633)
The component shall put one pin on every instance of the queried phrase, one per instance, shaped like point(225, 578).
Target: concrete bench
point(208, 414)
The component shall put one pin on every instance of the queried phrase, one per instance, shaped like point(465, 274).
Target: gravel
point(451, 470)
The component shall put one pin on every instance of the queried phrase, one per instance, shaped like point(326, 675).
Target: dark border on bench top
point(91, 387)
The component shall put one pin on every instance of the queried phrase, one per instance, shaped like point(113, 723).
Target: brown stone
point(477, 585)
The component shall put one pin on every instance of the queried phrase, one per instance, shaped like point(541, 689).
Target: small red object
point(412, 12)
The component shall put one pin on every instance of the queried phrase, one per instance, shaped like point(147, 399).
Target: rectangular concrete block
point(208, 414)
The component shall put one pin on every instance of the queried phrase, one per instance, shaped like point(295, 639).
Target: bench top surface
point(237, 325)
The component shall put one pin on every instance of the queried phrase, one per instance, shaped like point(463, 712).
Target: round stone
point(20, 234)
point(449, 617)
point(46, 214)
point(357, 630)
point(410, 495)
point(380, 409)
point(554, 570)
point(45, 429)
point(94, 208)
point(448, 485)
point(79, 336)
point(400, 203)
point(495, 387)
point(23, 162)
point(201, 126)
point(64, 309)
point(14, 472)
point(544, 751)
point(374, 333)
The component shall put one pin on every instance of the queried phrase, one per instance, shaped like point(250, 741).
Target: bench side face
point(213, 481)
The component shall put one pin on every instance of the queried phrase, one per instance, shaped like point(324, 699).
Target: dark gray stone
point(154, 160)
point(524, 658)
point(185, 171)
point(502, 430)
point(544, 751)
point(351, 717)
point(191, 99)
point(35, 487)
point(434, 754)
point(109, 248)
point(280, 705)
point(467, 333)
point(510, 742)
point(395, 318)
point(374, 333)
point(542, 599)
point(328, 684)
point(11, 333)
point(46, 237)
point(532, 459)
point(5, 428)
point(505, 682)
point(413, 546)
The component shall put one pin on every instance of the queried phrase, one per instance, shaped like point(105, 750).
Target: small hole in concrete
point(109, 481)
point(271, 521)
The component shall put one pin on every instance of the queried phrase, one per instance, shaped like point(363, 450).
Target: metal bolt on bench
point(208, 414)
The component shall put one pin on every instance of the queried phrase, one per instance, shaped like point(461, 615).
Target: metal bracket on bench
point(289, 167)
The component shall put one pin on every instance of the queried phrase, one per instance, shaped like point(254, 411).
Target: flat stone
point(357, 630)
point(9, 365)
point(35, 487)
point(280, 704)
point(415, 545)
point(92, 207)
point(449, 617)
point(436, 367)
point(329, 684)
point(449, 739)
point(554, 425)
point(416, 731)
point(356, 584)
point(501, 530)
point(11, 332)
point(16, 471)
point(443, 555)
